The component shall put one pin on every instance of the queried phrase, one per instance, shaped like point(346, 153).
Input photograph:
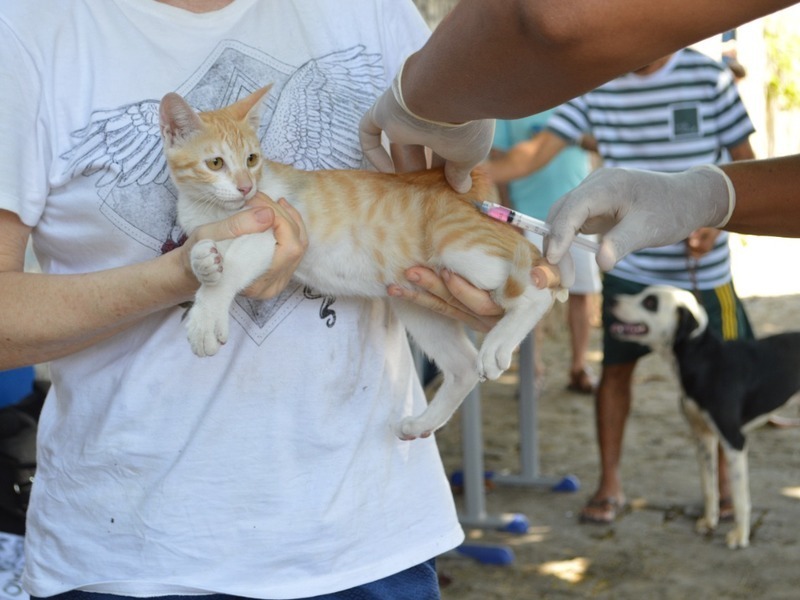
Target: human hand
point(701, 241)
point(639, 209)
point(291, 242)
point(461, 146)
point(263, 213)
point(451, 295)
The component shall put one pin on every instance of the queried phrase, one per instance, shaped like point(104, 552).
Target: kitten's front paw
point(206, 332)
point(412, 428)
point(206, 262)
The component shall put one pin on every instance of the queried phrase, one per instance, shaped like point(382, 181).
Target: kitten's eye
point(252, 160)
point(215, 164)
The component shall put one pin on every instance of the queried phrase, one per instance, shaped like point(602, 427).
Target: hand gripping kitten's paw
point(412, 428)
point(206, 262)
point(205, 332)
point(737, 538)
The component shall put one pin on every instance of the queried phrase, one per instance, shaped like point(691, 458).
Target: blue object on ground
point(457, 478)
point(15, 384)
point(570, 483)
point(488, 554)
point(518, 524)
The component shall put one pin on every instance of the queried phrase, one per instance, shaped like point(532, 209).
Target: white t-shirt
point(269, 470)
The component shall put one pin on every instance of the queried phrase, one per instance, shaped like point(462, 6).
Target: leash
point(691, 269)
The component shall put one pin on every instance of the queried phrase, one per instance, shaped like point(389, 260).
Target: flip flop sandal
point(611, 508)
point(582, 382)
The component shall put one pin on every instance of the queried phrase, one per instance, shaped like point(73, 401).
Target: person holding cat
point(271, 469)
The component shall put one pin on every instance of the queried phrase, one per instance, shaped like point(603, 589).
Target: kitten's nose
point(244, 184)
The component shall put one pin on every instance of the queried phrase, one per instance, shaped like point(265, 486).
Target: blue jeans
point(417, 583)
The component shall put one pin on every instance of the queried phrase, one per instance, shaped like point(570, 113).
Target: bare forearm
point(511, 58)
point(43, 317)
point(767, 200)
point(508, 167)
point(525, 157)
point(49, 316)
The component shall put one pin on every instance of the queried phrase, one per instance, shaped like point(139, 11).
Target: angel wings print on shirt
point(310, 121)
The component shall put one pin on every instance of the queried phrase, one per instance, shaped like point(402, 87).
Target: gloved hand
point(639, 209)
point(461, 146)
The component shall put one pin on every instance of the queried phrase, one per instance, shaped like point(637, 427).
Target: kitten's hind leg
point(522, 315)
point(446, 342)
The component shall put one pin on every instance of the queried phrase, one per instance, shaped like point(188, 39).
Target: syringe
point(507, 215)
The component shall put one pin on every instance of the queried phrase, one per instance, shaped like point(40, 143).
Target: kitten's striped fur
point(364, 229)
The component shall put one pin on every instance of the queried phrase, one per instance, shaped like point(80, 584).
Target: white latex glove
point(461, 146)
point(639, 209)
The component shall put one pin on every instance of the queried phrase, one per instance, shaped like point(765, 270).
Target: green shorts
point(726, 316)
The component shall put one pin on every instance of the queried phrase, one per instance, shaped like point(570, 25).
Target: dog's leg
point(739, 537)
point(709, 473)
point(706, 444)
point(446, 342)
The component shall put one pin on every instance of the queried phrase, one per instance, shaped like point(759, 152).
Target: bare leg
point(612, 406)
point(578, 319)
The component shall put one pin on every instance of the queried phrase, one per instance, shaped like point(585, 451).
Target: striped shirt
point(685, 114)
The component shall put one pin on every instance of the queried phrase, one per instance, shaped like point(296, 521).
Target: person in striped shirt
point(678, 112)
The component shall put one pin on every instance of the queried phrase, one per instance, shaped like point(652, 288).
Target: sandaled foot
point(602, 511)
point(582, 382)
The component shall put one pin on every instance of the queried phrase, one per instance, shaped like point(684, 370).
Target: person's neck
point(197, 6)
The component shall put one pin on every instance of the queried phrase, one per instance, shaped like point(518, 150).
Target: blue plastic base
point(488, 554)
point(518, 524)
point(570, 483)
point(457, 478)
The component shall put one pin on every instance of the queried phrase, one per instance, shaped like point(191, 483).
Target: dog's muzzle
point(623, 330)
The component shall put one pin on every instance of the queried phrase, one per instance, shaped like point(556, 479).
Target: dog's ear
point(686, 324)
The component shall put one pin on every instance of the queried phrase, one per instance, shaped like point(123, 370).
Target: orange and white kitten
point(364, 230)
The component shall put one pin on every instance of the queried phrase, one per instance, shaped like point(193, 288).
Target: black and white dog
point(730, 387)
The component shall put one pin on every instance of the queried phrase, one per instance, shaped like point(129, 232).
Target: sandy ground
point(652, 551)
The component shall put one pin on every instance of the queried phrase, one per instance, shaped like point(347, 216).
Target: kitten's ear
point(250, 107)
point(179, 121)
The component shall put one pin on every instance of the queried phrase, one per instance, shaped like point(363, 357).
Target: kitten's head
point(214, 156)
